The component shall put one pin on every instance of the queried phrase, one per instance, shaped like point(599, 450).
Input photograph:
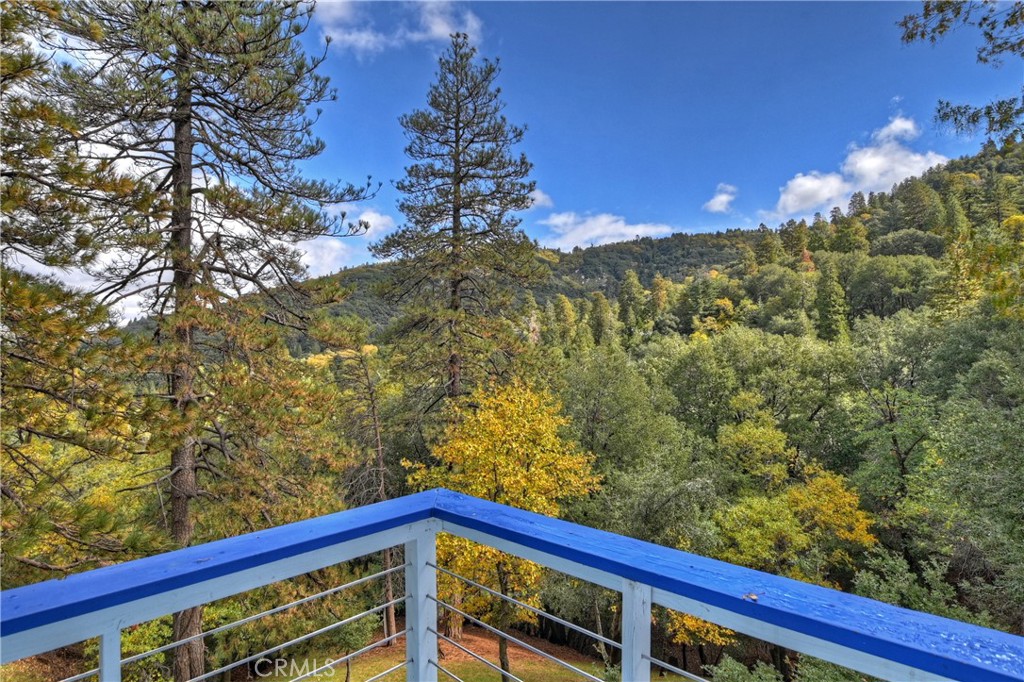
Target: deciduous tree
point(508, 450)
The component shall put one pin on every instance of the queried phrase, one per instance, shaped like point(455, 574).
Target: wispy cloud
point(569, 229)
point(875, 167)
point(541, 199)
point(352, 25)
point(722, 201)
point(325, 255)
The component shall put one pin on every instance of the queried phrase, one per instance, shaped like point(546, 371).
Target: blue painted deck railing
point(866, 635)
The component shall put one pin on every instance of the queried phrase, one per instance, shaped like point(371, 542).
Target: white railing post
point(110, 656)
point(421, 611)
point(636, 631)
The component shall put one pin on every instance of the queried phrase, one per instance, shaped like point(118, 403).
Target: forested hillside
point(837, 399)
point(904, 222)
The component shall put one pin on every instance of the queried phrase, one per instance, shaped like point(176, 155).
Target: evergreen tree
point(632, 305)
point(795, 237)
point(460, 256)
point(920, 206)
point(832, 307)
point(58, 204)
point(74, 433)
point(820, 235)
point(747, 258)
point(857, 206)
point(208, 101)
point(602, 320)
point(850, 236)
point(1000, 26)
point(565, 320)
point(769, 248)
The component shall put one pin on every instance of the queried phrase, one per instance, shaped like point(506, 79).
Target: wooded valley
point(838, 399)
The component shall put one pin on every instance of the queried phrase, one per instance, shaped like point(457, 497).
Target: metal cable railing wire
point(242, 621)
point(447, 672)
point(672, 669)
point(95, 672)
point(539, 652)
point(255, 616)
point(474, 655)
point(382, 675)
point(354, 654)
point(303, 638)
point(532, 609)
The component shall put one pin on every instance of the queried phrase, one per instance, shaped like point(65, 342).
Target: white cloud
point(899, 128)
point(324, 255)
point(540, 199)
point(722, 201)
point(570, 229)
point(438, 20)
point(805, 192)
point(350, 26)
point(876, 167)
point(380, 223)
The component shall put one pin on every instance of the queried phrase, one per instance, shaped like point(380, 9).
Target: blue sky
point(653, 118)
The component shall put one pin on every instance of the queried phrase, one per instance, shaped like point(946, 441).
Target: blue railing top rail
point(939, 646)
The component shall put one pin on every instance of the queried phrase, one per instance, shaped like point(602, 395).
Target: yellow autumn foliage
point(507, 450)
point(690, 630)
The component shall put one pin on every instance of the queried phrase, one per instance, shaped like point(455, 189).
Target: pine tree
point(565, 320)
point(832, 306)
point(820, 234)
point(1000, 26)
point(74, 434)
point(795, 237)
point(58, 203)
point(460, 256)
point(632, 305)
point(857, 206)
point(851, 236)
point(208, 103)
point(602, 320)
point(769, 248)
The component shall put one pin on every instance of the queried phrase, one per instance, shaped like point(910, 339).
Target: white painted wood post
point(110, 656)
point(421, 611)
point(636, 631)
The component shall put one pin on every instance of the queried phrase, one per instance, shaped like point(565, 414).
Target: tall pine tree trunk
point(455, 284)
point(188, 658)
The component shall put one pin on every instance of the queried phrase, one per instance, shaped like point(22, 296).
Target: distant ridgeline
point(597, 268)
point(888, 247)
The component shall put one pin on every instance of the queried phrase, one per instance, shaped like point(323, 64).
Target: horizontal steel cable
point(250, 619)
point(533, 609)
point(475, 655)
point(386, 672)
point(354, 654)
point(672, 669)
point(447, 672)
point(521, 643)
point(303, 638)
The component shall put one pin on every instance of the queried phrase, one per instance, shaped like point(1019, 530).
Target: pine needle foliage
point(460, 257)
